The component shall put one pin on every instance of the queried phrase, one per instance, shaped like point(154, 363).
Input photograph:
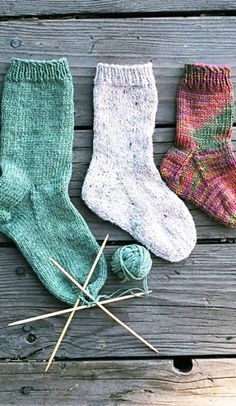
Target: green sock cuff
point(207, 76)
point(38, 71)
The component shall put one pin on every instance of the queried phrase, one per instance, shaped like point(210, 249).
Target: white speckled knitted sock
point(122, 184)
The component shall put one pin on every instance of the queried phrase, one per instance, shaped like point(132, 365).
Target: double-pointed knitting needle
point(70, 309)
point(75, 305)
point(104, 309)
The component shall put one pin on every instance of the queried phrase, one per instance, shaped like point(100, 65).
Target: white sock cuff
point(123, 75)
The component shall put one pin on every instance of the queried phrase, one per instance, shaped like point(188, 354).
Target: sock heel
point(173, 165)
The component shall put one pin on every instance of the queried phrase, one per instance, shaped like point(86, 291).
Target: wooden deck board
point(192, 310)
point(53, 7)
point(168, 42)
point(163, 138)
point(109, 383)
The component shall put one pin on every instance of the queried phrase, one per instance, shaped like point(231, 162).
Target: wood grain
point(168, 42)
point(52, 7)
point(162, 140)
point(112, 383)
point(192, 310)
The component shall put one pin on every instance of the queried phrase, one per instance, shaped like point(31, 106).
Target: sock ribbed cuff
point(206, 76)
point(119, 75)
point(37, 71)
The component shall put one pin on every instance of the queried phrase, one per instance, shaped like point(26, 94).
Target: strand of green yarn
point(132, 262)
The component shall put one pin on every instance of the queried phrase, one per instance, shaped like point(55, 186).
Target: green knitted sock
point(36, 156)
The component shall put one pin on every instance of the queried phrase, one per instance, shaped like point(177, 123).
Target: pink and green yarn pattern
point(201, 167)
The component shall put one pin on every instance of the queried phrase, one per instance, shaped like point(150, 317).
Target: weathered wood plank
point(52, 7)
point(192, 310)
point(112, 383)
point(207, 228)
point(168, 42)
point(162, 139)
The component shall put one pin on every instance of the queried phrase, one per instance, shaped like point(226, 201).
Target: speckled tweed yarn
point(202, 167)
point(36, 159)
point(122, 184)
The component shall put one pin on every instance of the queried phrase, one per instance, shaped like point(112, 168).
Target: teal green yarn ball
point(131, 262)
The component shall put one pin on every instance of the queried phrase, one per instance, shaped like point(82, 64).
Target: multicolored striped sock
point(202, 167)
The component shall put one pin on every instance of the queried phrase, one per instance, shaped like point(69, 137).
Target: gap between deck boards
point(84, 16)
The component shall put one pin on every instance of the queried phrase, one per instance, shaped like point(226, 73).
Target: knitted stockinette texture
point(201, 168)
point(122, 184)
point(36, 161)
